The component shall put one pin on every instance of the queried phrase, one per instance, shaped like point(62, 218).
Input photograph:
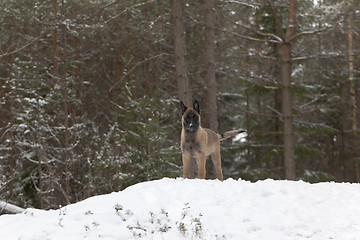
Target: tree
point(10, 103)
point(55, 42)
point(210, 103)
point(285, 38)
point(181, 64)
point(353, 103)
point(286, 61)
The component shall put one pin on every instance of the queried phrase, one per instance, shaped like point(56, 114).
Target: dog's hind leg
point(216, 158)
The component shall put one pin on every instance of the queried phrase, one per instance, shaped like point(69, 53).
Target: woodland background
point(89, 91)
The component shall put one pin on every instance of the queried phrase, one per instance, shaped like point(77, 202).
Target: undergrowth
point(158, 223)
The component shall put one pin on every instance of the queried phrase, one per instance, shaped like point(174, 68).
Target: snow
point(200, 209)
point(241, 137)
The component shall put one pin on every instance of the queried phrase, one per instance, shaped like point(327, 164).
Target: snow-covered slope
point(200, 209)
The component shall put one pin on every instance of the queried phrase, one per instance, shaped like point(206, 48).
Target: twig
point(314, 31)
point(274, 110)
point(248, 37)
point(133, 68)
point(129, 8)
point(244, 4)
point(277, 22)
point(277, 38)
point(21, 48)
point(247, 111)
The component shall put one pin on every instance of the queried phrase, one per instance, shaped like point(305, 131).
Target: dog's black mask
point(191, 121)
point(191, 116)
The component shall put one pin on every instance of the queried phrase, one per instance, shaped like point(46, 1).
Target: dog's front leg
point(201, 166)
point(186, 165)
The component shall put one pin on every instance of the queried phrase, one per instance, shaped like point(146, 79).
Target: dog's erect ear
point(183, 107)
point(196, 106)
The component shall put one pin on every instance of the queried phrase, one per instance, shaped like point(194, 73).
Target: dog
point(197, 143)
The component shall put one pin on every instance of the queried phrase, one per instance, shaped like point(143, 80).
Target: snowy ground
point(200, 209)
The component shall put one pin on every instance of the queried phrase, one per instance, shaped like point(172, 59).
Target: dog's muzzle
point(191, 127)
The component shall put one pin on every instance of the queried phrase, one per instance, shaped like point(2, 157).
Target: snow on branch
point(277, 38)
point(250, 38)
point(10, 208)
point(316, 31)
point(244, 3)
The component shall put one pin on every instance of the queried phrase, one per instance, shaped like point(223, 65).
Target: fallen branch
point(10, 208)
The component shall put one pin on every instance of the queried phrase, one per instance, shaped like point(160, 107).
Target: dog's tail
point(229, 134)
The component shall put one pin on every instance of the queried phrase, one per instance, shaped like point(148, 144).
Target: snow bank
point(200, 209)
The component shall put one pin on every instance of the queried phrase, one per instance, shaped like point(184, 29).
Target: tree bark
point(352, 91)
point(180, 53)
point(11, 118)
point(209, 67)
point(286, 60)
point(55, 45)
point(66, 117)
point(41, 158)
point(289, 160)
point(319, 39)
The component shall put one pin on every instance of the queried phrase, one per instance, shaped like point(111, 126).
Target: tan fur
point(197, 143)
point(198, 146)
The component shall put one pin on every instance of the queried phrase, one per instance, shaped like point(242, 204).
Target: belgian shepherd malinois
point(198, 143)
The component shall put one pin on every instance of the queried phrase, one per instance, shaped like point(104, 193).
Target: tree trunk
point(55, 45)
point(209, 67)
point(289, 161)
point(286, 60)
point(78, 111)
point(352, 91)
point(41, 158)
point(11, 118)
point(319, 41)
point(66, 117)
point(180, 53)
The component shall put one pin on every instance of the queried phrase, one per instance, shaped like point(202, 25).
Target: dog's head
point(190, 116)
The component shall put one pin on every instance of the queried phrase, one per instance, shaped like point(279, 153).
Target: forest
point(90, 90)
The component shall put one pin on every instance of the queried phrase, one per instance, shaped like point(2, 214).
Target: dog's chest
point(190, 144)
